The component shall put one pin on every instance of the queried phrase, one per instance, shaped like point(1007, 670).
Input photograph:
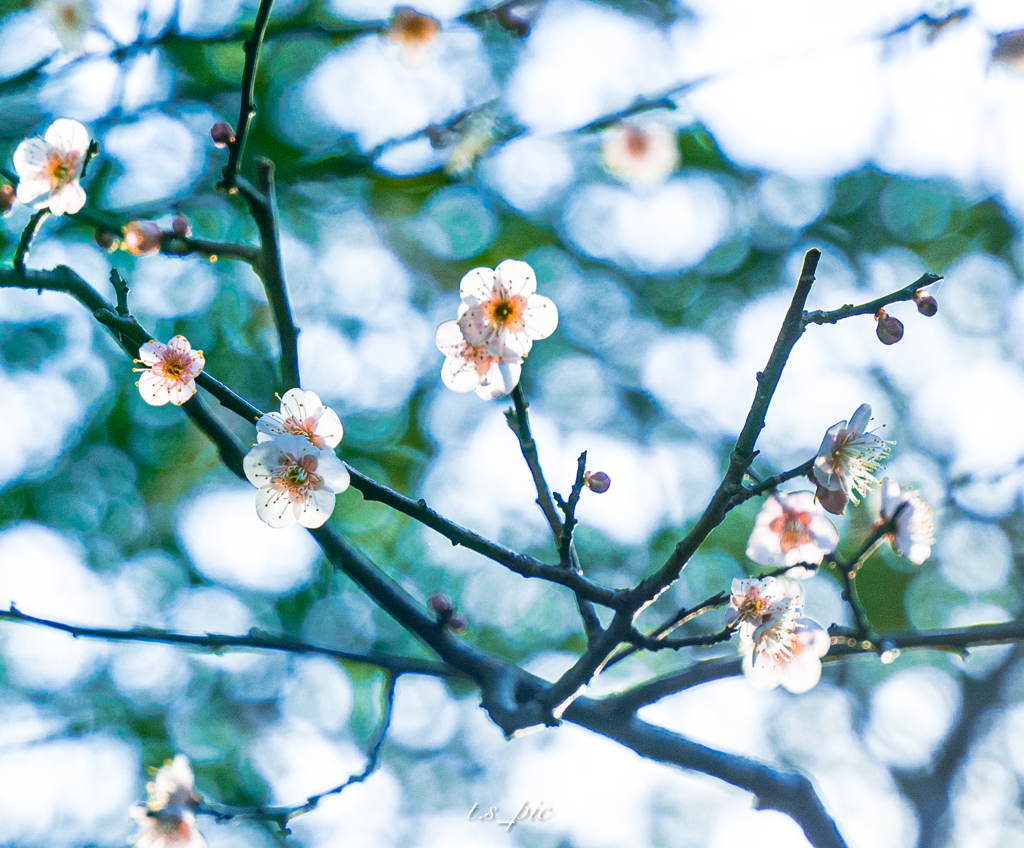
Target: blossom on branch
point(297, 481)
point(790, 529)
point(755, 602)
point(167, 819)
point(414, 33)
point(173, 785)
point(49, 168)
point(70, 19)
point(501, 310)
point(474, 367)
point(638, 155)
point(170, 372)
point(786, 651)
point(302, 414)
point(913, 533)
point(848, 456)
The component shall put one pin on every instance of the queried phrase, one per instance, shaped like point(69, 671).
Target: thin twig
point(120, 285)
point(519, 422)
point(212, 250)
point(25, 242)
point(773, 482)
point(569, 511)
point(871, 307)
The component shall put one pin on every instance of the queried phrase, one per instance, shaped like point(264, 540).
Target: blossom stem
point(25, 242)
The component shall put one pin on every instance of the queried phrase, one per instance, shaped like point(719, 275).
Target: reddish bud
point(598, 482)
point(108, 241)
point(6, 198)
point(457, 624)
point(440, 604)
point(889, 329)
point(222, 134)
point(142, 238)
point(181, 227)
point(926, 304)
point(834, 502)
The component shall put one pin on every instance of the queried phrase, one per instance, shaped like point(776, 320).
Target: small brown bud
point(181, 227)
point(834, 502)
point(926, 304)
point(889, 329)
point(597, 481)
point(6, 198)
point(457, 624)
point(222, 134)
point(142, 238)
point(440, 604)
point(108, 241)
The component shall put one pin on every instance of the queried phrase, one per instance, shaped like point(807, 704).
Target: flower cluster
point(293, 464)
point(170, 372)
point(168, 819)
point(780, 646)
point(49, 168)
point(500, 317)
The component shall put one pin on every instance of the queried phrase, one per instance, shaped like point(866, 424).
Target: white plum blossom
point(474, 367)
point(790, 529)
point(414, 33)
point(786, 651)
point(297, 481)
point(848, 456)
point(170, 372)
point(914, 533)
point(172, 785)
point(500, 308)
point(640, 155)
point(70, 19)
point(302, 414)
point(173, 827)
point(755, 601)
point(49, 168)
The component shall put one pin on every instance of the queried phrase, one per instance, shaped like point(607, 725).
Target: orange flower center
point(176, 366)
point(481, 358)
point(60, 168)
point(505, 311)
point(638, 142)
point(68, 16)
point(792, 530)
point(298, 477)
point(303, 427)
point(753, 607)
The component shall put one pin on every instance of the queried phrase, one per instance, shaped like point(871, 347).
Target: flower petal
point(477, 285)
point(153, 388)
point(540, 316)
point(517, 277)
point(500, 380)
point(32, 191)
point(861, 417)
point(179, 344)
point(30, 158)
point(152, 352)
point(68, 135)
point(276, 508)
point(301, 404)
point(318, 508)
point(474, 326)
point(333, 471)
point(448, 338)
point(260, 462)
point(181, 392)
point(69, 198)
point(459, 375)
point(329, 428)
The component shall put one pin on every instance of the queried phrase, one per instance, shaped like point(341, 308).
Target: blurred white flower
point(500, 308)
point(173, 785)
point(302, 414)
point(170, 375)
point(49, 167)
point(848, 456)
point(468, 367)
point(296, 481)
point(786, 650)
point(639, 155)
point(414, 33)
point(914, 533)
point(70, 19)
point(792, 528)
point(174, 826)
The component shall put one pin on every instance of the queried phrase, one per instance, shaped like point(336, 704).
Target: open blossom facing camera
point(915, 531)
point(755, 602)
point(786, 651)
point(791, 528)
point(500, 309)
point(639, 155)
point(474, 367)
point(297, 481)
point(170, 372)
point(49, 168)
point(302, 414)
point(847, 458)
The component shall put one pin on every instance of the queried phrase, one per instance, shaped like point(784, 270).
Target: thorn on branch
point(121, 291)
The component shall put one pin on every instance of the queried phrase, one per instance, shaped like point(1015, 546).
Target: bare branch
point(871, 307)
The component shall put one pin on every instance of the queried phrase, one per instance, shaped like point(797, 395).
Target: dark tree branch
point(255, 639)
point(872, 307)
point(569, 511)
point(27, 235)
point(213, 250)
point(771, 483)
point(519, 422)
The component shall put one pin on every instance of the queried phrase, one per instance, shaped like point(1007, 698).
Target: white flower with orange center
point(914, 532)
point(753, 602)
point(170, 372)
point(414, 33)
point(786, 651)
point(302, 414)
point(500, 308)
point(790, 529)
point(474, 367)
point(297, 481)
point(174, 827)
point(643, 156)
point(849, 456)
point(70, 19)
point(49, 168)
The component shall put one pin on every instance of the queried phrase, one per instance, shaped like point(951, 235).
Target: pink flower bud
point(926, 304)
point(142, 238)
point(108, 241)
point(889, 329)
point(181, 227)
point(440, 604)
point(598, 482)
point(6, 198)
point(457, 624)
point(222, 134)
